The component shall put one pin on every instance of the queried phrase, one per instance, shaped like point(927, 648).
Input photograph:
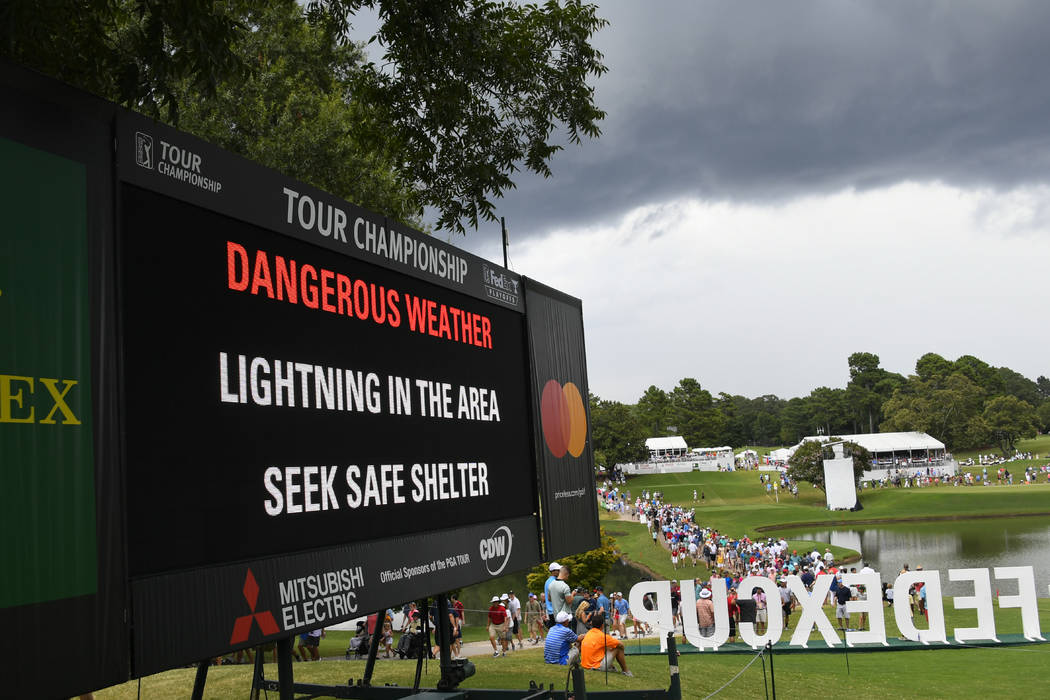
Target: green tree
point(474, 89)
point(980, 373)
point(587, 569)
point(1043, 384)
point(948, 408)
point(654, 411)
point(467, 93)
point(1008, 419)
point(931, 367)
point(136, 52)
point(1018, 385)
point(868, 389)
point(827, 410)
point(617, 435)
point(794, 421)
point(807, 463)
point(290, 112)
point(694, 413)
point(766, 429)
point(738, 419)
point(1043, 416)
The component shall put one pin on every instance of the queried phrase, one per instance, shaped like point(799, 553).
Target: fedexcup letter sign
point(812, 612)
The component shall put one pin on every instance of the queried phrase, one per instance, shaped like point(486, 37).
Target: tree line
point(965, 403)
point(463, 94)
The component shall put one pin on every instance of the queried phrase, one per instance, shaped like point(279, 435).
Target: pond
point(943, 545)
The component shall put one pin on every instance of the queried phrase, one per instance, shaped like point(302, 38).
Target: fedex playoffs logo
point(563, 419)
point(495, 550)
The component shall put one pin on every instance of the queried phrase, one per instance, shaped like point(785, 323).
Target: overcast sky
point(779, 185)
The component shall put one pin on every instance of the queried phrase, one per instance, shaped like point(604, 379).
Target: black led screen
point(287, 397)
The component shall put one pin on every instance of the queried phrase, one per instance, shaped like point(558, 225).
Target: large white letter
point(934, 607)
point(981, 601)
point(872, 604)
point(691, 623)
point(660, 618)
point(774, 615)
point(1025, 599)
point(812, 610)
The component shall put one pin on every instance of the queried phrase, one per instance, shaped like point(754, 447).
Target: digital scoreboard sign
point(288, 411)
point(303, 397)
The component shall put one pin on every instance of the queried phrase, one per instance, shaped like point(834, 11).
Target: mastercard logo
point(563, 418)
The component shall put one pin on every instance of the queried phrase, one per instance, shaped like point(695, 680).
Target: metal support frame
point(200, 679)
point(285, 674)
point(373, 647)
point(365, 691)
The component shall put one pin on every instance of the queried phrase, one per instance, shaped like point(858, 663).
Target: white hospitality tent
point(891, 449)
point(718, 457)
point(666, 447)
point(912, 453)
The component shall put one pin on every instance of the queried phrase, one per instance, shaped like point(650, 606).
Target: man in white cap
point(705, 613)
point(560, 595)
point(497, 626)
point(553, 568)
point(514, 608)
point(562, 644)
point(508, 632)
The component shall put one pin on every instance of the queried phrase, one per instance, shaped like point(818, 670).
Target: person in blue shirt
point(603, 602)
point(622, 608)
point(554, 568)
point(561, 646)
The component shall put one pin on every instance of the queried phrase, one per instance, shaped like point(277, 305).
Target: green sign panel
point(47, 473)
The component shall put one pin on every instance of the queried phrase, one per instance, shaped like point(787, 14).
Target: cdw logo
point(243, 626)
point(17, 403)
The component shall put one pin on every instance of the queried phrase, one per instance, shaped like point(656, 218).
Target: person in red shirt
point(498, 626)
point(734, 612)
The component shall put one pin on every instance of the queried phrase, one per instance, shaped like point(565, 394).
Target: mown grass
point(929, 673)
point(736, 504)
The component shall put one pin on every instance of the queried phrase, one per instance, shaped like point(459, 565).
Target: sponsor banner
point(812, 616)
point(61, 547)
point(158, 158)
point(187, 616)
point(560, 414)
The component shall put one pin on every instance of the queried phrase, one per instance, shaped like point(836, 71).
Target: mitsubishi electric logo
point(243, 626)
point(144, 150)
point(495, 550)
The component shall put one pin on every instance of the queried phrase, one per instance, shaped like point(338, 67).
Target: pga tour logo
point(495, 550)
point(144, 150)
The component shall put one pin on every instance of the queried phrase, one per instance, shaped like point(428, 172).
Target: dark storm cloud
point(766, 101)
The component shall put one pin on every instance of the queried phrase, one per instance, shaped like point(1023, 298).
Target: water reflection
point(947, 545)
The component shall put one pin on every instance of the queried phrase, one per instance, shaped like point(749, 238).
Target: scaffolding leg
point(772, 677)
point(444, 640)
point(373, 648)
point(285, 679)
point(257, 675)
point(674, 691)
point(424, 651)
point(200, 679)
point(579, 683)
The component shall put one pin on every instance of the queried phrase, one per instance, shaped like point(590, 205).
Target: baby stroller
point(359, 643)
point(410, 646)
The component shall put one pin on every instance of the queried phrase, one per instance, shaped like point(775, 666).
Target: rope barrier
point(728, 683)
